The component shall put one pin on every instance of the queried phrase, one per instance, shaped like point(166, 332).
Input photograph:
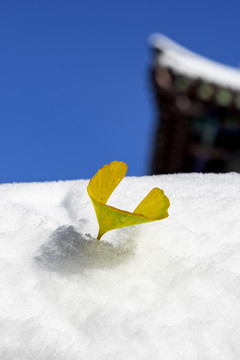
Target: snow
point(185, 62)
point(163, 290)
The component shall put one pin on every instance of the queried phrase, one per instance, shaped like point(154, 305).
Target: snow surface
point(185, 62)
point(163, 290)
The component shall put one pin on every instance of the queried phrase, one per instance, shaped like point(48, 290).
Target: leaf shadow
point(69, 251)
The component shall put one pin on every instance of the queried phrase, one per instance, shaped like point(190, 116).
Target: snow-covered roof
point(185, 62)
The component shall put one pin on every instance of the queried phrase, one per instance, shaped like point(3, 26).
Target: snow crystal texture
point(163, 290)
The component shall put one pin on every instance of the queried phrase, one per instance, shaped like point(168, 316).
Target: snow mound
point(164, 290)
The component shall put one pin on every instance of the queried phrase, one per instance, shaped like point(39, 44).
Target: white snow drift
point(164, 290)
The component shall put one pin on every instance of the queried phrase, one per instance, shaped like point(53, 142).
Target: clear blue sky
point(74, 89)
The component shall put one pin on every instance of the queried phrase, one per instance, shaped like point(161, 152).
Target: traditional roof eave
point(184, 62)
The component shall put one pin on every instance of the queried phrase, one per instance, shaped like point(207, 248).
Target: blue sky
point(74, 87)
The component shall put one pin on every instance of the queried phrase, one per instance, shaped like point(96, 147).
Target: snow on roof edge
point(188, 63)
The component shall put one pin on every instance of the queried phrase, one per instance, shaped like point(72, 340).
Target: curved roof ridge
point(188, 63)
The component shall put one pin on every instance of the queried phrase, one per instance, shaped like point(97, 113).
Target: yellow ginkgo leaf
point(152, 208)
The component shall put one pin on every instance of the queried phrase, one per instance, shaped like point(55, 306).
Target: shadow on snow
point(69, 251)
